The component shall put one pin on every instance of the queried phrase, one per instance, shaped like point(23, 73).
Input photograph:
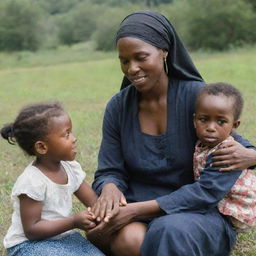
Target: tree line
point(202, 24)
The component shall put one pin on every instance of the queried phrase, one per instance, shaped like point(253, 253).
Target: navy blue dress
point(146, 167)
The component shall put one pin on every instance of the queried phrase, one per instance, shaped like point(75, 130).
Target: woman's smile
point(138, 80)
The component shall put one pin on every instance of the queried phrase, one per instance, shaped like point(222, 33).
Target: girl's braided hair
point(31, 125)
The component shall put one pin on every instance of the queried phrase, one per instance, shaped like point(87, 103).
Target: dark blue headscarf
point(155, 29)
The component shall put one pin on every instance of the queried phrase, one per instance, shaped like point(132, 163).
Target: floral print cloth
point(240, 203)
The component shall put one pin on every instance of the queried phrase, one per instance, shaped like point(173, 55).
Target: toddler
point(42, 221)
point(218, 108)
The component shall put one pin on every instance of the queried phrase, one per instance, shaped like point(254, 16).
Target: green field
point(84, 81)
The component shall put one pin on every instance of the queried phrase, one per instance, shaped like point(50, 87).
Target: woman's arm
point(202, 195)
point(111, 177)
point(126, 214)
point(111, 166)
point(235, 155)
point(36, 228)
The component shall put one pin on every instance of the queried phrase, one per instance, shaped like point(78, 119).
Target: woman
point(146, 153)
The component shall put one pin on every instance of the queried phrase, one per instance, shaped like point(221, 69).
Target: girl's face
point(141, 63)
point(61, 143)
point(214, 119)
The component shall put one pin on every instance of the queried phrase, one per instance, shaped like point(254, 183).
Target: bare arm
point(86, 195)
point(35, 228)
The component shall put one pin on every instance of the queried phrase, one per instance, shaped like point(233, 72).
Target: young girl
point(218, 108)
point(42, 223)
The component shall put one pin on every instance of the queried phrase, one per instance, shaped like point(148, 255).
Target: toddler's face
point(214, 119)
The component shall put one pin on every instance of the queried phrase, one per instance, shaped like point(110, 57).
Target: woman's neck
point(152, 110)
point(157, 93)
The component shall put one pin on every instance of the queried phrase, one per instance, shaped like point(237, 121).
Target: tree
point(107, 26)
point(253, 3)
point(78, 24)
point(219, 24)
point(19, 25)
point(58, 6)
point(157, 2)
point(140, 2)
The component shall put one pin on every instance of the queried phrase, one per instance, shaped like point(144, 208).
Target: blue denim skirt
point(71, 245)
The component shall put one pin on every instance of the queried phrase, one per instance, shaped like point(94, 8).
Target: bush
point(108, 24)
point(105, 33)
point(19, 25)
point(219, 24)
point(175, 13)
point(78, 24)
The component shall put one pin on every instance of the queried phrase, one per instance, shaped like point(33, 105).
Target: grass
point(84, 81)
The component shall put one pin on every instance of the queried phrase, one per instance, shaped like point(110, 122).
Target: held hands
point(106, 229)
point(84, 220)
point(234, 156)
point(105, 208)
point(108, 214)
point(107, 205)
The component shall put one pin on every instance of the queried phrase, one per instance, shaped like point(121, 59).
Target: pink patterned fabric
point(240, 203)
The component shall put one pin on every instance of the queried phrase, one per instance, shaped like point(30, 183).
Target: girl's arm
point(36, 228)
point(86, 194)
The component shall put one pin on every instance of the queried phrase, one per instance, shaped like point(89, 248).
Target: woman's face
point(142, 63)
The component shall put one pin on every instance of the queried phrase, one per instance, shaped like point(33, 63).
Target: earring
point(165, 65)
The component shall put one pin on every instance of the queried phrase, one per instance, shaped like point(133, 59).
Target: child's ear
point(194, 120)
point(41, 147)
point(236, 124)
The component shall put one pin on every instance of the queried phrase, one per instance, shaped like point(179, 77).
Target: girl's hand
point(84, 220)
point(108, 203)
point(233, 155)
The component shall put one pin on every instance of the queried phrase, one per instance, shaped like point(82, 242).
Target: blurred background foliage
point(202, 24)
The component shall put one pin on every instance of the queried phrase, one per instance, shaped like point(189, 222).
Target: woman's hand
point(84, 220)
point(108, 203)
point(124, 216)
point(234, 156)
point(105, 229)
point(103, 233)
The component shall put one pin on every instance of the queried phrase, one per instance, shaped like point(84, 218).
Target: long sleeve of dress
point(203, 194)
point(110, 160)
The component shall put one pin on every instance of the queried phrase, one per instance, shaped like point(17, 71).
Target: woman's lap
point(71, 245)
point(189, 234)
